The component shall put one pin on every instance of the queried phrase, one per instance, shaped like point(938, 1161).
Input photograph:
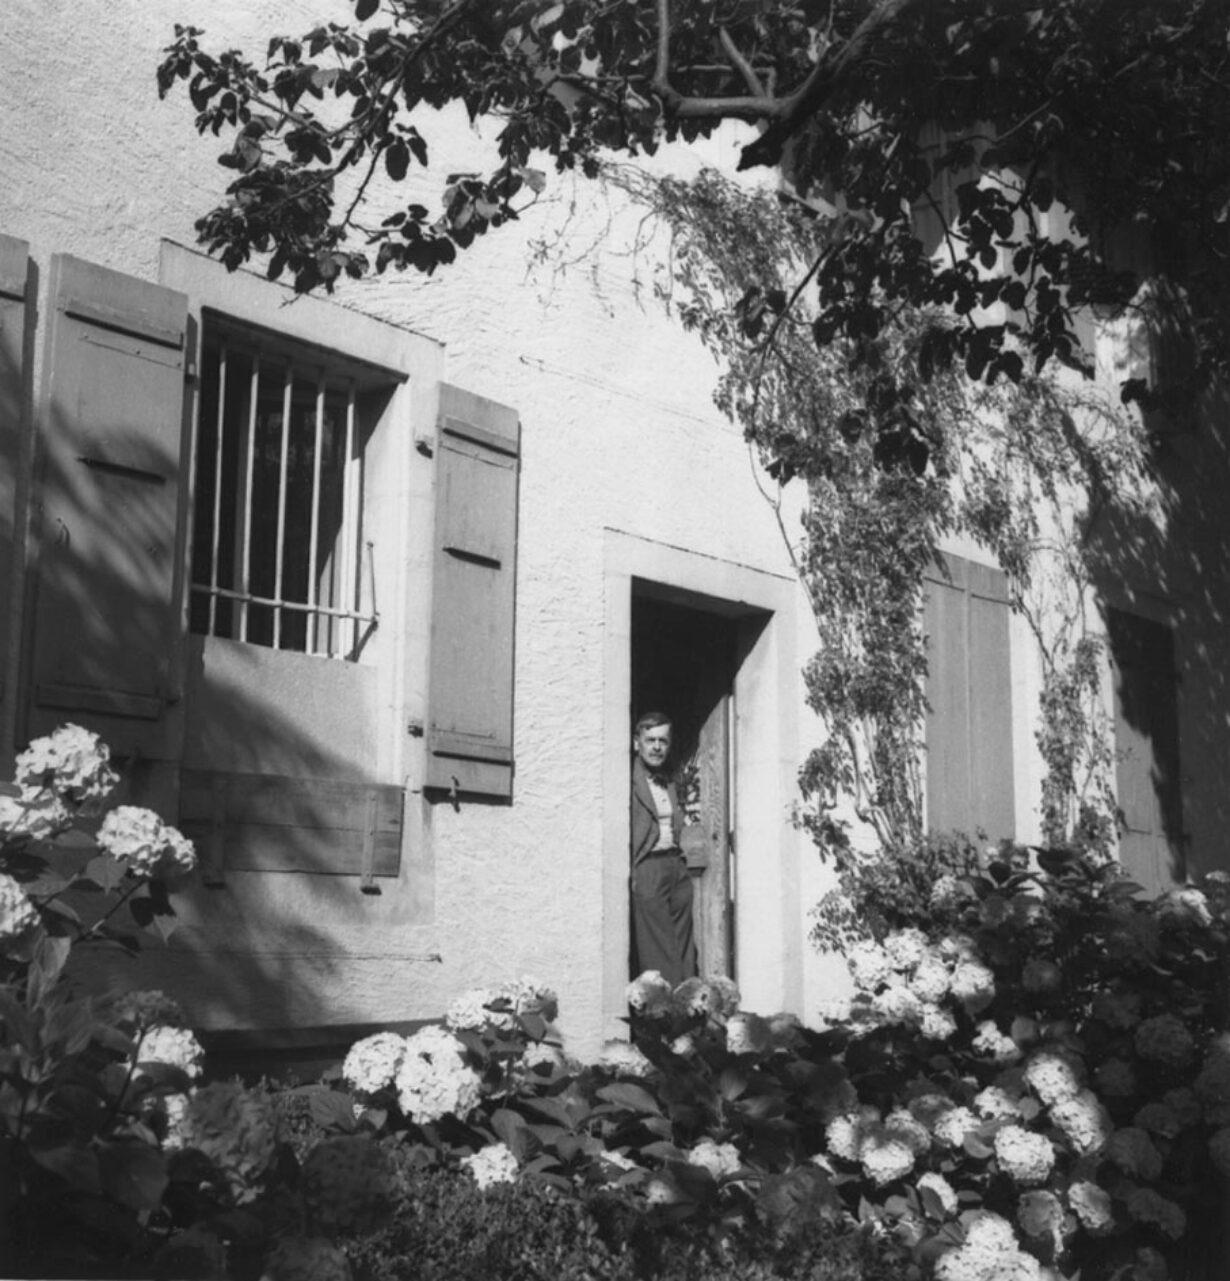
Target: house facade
point(365, 592)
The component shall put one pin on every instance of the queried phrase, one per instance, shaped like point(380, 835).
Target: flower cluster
point(174, 1047)
point(650, 996)
point(147, 1008)
point(499, 1007)
point(18, 916)
point(905, 979)
point(36, 814)
point(433, 1079)
point(347, 1183)
point(371, 1064)
point(990, 1252)
point(72, 763)
point(720, 1159)
point(233, 1128)
point(148, 846)
point(492, 1164)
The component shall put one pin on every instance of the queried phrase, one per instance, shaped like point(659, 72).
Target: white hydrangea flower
point(936, 1023)
point(903, 1126)
point(371, 1064)
point(1147, 1206)
point(1185, 904)
point(1185, 1105)
point(544, 1054)
point(995, 1103)
point(624, 1059)
point(720, 1159)
point(1041, 976)
point(18, 916)
point(175, 1106)
point(1219, 1149)
point(650, 995)
point(1158, 1118)
point(683, 1045)
point(1052, 1077)
point(1027, 1158)
point(939, 1185)
point(73, 762)
point(989, 1042)
point(1083, 1121)
point(1165, 1039)
point(725, 997)
point(147, 1007)
point(844, 1134)
point(885, 1158)
point(173, 1046)
point(528, 995)
point(973, 985)
point(469, 1012)
point(36, 814)
point(929, 1107)
point(1092, 1205)
point(957, 948)
point(952, 1126)
point(869, 965)
point(1132, 1150)
point(1212, 1086)
point(1117, 1009)
point(434, 1079)
point(905, 949)
point(620, 1160)
point(897, 1004)
point(748, 1034)
point(493, 1164)
point(1116, 1079)
point(990, 1253)
point(138, 837)
point(1040, 1214)
point(930, 979)
point(947, 892)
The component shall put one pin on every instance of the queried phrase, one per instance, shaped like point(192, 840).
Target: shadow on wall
point(1168, 597)
point(264, 758)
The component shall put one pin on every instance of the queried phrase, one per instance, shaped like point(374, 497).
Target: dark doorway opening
point(684, 661)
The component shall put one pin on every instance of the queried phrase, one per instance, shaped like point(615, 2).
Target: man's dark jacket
point(645, 813)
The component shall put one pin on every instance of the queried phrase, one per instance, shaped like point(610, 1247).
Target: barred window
point(279, 552)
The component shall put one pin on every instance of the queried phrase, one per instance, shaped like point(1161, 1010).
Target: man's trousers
point(662, 937)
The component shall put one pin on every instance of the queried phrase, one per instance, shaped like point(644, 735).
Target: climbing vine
point(891, 466)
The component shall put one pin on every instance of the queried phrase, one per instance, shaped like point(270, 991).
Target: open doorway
point(684, 660)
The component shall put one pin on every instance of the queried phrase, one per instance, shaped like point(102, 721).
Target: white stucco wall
point(618, 435)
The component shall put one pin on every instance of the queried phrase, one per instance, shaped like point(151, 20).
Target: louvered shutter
point(14, 269)
point(107, 628)
point(470, 706)
point(969, 693)
point(1147, 750)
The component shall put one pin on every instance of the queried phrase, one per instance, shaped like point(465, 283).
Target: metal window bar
point(314, 531)
point(216, 531)
point(344, 611)
point(245, 519)
point(349, 538)
point(288, 384)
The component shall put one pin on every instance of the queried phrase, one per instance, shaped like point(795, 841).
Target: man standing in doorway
point(661, 886)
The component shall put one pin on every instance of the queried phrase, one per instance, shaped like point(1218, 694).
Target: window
point(281, 554)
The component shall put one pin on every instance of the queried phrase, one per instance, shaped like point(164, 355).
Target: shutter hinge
point(426, 446)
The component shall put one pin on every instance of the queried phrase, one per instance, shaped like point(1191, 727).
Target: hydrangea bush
point(84, 1083)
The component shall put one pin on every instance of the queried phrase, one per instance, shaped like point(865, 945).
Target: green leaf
point(513, 1130)
point(363, 9)
point(135, 1174)
point(332, 1110)
point(634, 1097)
point(50, 956)
point(77, 1166)
point(105, 871)
point(397, 160)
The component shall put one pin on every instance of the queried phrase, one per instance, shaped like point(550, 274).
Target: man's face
point(653, 745)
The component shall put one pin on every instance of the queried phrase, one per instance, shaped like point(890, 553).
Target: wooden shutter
point(470, 706)
point(14, 270)
point(1147, 750)
point(969, 695)
point(106, 626)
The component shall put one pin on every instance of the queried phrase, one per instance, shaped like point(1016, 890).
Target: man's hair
point(651, 720)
